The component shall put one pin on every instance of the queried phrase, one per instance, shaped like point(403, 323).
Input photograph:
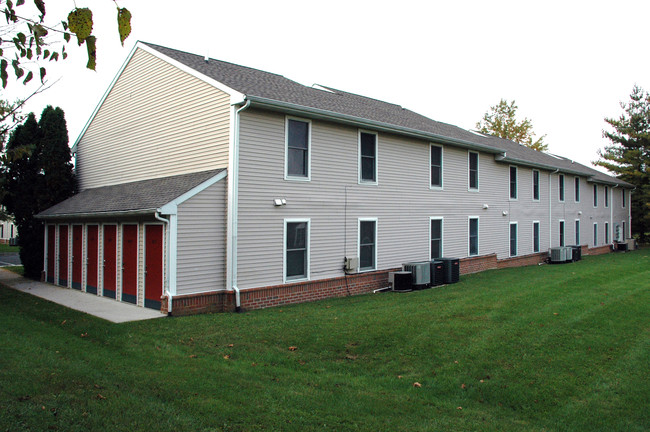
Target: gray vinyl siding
point(201, 250)
point(157, 121)
point(402, 201)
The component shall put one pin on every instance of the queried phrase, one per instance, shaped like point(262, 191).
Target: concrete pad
point(101, 307)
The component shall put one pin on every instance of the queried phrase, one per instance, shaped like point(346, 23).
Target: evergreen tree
point(501, 121)
point(37, 174)
point(629, 156)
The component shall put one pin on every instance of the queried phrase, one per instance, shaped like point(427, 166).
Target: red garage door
point(77, 255)
point(51, 252)
point(110, 261)
point(63, 255)
point(153, 279)
point(130, 263)
point(91, 259)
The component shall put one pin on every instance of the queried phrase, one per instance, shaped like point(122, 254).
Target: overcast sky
point(567, 64)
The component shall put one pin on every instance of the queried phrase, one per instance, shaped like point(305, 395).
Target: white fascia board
point(171, 207)
point(235, 96)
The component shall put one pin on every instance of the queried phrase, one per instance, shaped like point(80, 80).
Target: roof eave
point(124, 213)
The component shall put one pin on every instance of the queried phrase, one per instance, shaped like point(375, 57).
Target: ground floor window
point(595, 234)
point(296, 249)
point(367, 244)
point(436, 238)
point(578, 232)
point(513, 238)
point(473, 236)
point(606, 232)
point(561, 233)
point(535, 236)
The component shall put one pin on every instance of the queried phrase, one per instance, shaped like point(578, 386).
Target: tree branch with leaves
point(501, 121)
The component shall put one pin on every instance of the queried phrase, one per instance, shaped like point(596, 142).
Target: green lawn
point(543, 348)
point(6, 248)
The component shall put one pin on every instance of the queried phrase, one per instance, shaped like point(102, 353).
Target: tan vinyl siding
point(157, 121)
point(202, 241)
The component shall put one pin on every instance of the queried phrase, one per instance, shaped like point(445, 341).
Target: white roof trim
point(171, 207)
point(235, 96)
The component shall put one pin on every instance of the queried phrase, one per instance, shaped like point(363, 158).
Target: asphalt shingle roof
point(140, 196)
point(257, 83)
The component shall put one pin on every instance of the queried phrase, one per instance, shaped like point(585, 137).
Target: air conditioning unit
point(557, 255)
point(569, 253)
point(401, 281)
point(437, 272)
point(618, 233)
point(421, 273)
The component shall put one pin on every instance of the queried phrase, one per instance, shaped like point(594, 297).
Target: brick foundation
point(362, 283)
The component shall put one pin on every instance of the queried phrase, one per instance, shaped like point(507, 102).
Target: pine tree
point(501, 121)
point(37, 174)
point(629, 156)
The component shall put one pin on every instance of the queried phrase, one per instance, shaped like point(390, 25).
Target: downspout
point(550, 210)
point(169, 294)
point(235, 204)
point(611, 214)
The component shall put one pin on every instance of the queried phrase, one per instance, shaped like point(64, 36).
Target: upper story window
point(561, 186)
point(436, 238)
point(577, 189)
point(535, 185)
point(595, 195)
point(513, 182)
point(298, 143)
point(296, 249)
point(367, 157)
point(473, 170)
point(606, 196)
point(436, 166)
point(623, 197)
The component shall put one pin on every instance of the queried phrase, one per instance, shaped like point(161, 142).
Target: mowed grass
point(543, 348)
point(5, 248)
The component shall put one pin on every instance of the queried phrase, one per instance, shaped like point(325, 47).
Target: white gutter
point(166, 284)
point(233, 203)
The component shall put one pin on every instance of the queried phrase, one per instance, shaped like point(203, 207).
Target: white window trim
point(561, 197)
point(284, 250)
point(577, 234)
point(442, 180)
point(478, 236)
point(539, 237)
point(562, 235)
point(576, 198)
point(516, 198)
point(478, 172)
point(376, 221)
point(516, 224)
point(367, 182)
point(595, 234)
point(286, 149)
point(442, 235)
point(539, 191)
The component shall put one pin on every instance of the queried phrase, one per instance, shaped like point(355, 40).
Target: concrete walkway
point(100, 307)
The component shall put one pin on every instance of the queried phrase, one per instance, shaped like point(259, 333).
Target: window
point(473, 236)
point(561, 233)
point(296, 252)
point(595, 195)
point(623, 197)
point(436, 238)
point(561, 186)
point(513, 238)
point(595, 234)
point(535, 185)
point(367, 244)
point(578, 232)
point(298, 137)
point(624, 231)
point(577, 189)
point(606, 197)
point(473, 170)
point(436, 166)
point(535, 236)
point(513, 182)
point(606, 232)
point(367, 157)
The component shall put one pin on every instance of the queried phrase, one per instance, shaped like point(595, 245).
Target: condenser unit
point(421, 273)
point(557, 255)
point(351, 264)
point(568, 253)
point(400, 281)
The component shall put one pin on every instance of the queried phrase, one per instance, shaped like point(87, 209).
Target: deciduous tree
point(629, 155)
point(501, 121)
